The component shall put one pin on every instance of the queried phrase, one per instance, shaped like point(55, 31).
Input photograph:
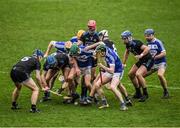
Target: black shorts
point(18, 76)
point(94, 62)
point(148, 63)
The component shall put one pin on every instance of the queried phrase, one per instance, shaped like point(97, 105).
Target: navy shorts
point(148, 63)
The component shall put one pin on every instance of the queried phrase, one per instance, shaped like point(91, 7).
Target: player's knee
point(138, 74)
point(97, 85)
point(35, 89)
point(160, 75)
point(70, 78)
point(131, 75)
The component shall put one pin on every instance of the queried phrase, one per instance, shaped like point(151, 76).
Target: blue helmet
point(126, 34)
point(51, 60)
point(38, 53)
point(149, 32)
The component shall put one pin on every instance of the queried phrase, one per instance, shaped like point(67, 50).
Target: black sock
point(33, 106)
point(165, 90)
point(138, 91)
point(85, 91)
point(46, 94)
point(126, 98)
point(145, 91)
point(14, 103)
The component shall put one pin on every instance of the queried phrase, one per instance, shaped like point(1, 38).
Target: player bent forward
point(113, 73)
point(20, 74)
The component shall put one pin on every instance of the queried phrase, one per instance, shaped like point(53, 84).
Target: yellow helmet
point(79, 33)
point(68, 44)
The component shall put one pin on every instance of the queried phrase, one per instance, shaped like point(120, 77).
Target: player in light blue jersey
point(62, 47)
point(111, 72)
point(158, 52)
point(84, 63)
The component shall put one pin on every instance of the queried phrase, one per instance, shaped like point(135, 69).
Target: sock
point(83, 91)
point(138, 91)
point(165, 90)
point(126, 98)
point(104, 99)
point(33, 107)
point(14, 103)
point(45, 94)
point(145, 91)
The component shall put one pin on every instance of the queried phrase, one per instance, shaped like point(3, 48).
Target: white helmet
point(103, 33)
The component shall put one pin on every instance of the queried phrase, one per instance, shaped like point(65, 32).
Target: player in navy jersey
point(158, 52)
point(112, 73)
point(20, 74)
point(89, 38)
point(142, 66)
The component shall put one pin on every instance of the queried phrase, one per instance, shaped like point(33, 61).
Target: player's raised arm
point(49, 48)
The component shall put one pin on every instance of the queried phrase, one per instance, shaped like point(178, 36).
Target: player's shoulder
point(158, 41)
point(74, 39)
point(137, 41)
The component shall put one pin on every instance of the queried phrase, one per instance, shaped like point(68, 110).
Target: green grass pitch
point(29, 24)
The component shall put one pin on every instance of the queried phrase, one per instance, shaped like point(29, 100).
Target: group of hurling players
point(90, 60)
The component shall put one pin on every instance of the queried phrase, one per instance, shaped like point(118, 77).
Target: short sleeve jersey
point(62, 61)
point(156, 47)
point(28, 64)
point(135, 47)
point(89, 39)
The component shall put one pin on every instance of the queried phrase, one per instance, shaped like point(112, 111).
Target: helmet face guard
point(91, 26)
point(68, 44)
point(101, 50)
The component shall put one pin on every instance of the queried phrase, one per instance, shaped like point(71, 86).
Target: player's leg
point(17, 77)
point(65, 84)
point(35, 92)
point(139, 74)
point(161, 72)
point(114, 83)
point(97, 87)
point(124, 92)
point(134, 80)
point(15, 96)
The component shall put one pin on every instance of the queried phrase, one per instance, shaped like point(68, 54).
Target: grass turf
point(26, 25)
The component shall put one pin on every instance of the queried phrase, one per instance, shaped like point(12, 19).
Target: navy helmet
point(149, 32)
point(126, 34)
point(51, 60)
point(38, 53)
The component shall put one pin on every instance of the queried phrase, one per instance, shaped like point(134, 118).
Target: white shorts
point(85, 71)
point(158, 66)
point(109, 75)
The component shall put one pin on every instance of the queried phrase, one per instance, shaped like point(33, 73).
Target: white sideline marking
point(2, 72)
point(149, 85)
point(156, 86)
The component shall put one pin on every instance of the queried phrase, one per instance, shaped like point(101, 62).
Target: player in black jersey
point(51, 67)
point(144, 64)
point(20, 74)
